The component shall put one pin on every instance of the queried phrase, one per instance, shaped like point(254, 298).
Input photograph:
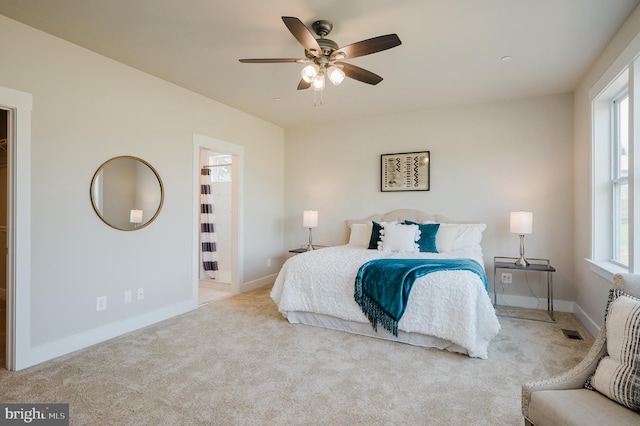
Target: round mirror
point(127, 193)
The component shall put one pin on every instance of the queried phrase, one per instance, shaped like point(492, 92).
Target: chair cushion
point(578, 407)
point(618, 373)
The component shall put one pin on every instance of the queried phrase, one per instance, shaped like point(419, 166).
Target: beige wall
point(486, 161)
point(87, 109)
point(592, 290)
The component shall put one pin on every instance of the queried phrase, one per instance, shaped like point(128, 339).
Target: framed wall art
point(407, 171)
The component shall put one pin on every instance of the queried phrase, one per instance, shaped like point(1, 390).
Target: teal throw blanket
point(383, 285)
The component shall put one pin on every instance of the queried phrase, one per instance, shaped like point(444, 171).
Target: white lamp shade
point(521, 222)
point(135, 216)
point(318, 82)
point(309, 72)
point(310, 219)
point(336, 75)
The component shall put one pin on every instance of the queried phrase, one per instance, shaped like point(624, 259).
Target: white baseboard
point(48, 351)
point(535, 303)
point(592, 326)
point(259, 283)
point(558, 305)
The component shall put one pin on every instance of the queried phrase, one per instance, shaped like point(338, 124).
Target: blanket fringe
point(375, 314)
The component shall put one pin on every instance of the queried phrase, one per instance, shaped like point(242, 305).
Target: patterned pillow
point(618, 373)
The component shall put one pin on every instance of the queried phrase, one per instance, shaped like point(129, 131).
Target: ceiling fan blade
point(273, 60)
point(303, 35)
point(360, 74)
point(367, 47)
point(303, 85)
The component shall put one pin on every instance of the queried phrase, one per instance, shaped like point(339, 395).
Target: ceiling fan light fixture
point(336, 75)
point(318, 82)
point(310, 72)
point(322, 56)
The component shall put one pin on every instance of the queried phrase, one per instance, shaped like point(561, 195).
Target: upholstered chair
point(563, 400)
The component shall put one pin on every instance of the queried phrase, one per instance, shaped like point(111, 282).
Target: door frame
point(19, 104)
point(237, 216)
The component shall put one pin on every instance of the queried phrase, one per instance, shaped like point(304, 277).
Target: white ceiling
point(450, 52)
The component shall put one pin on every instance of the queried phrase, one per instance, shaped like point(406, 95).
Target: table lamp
point(310, 220)
point(521, 224)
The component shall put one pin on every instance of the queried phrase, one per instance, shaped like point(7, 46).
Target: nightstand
point(304, 249)
point(535, 265)
point(298, 250)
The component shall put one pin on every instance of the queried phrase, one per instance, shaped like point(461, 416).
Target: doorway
point(4, 138)
point(216, 200)
point(222, 164)
point(19, 353)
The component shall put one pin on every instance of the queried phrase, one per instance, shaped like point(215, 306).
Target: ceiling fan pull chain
point(315, 97)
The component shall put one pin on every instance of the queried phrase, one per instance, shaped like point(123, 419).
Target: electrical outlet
point(507, 278)
point(127, 296)
point(140, 293)
point(101, 303)
point(268, 263)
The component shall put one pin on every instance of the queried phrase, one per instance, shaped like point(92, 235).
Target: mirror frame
point(97, 210)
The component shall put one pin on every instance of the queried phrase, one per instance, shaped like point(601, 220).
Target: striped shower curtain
point(207, 226)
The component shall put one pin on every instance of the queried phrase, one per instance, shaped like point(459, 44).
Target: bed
point(446, 309)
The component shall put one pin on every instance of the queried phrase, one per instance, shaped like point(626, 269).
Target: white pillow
point(469, 236)
point(360, 234)
point(445, 237)
point(399, 237)
point(459, 236)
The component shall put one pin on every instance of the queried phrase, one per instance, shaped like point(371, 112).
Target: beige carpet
point(239, 362)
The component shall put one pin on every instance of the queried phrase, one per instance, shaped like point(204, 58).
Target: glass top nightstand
point(535, 265)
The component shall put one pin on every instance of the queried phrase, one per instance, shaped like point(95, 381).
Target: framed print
point(407, 171)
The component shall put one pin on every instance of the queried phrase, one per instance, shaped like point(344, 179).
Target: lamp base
point(522, 261)
point(310, 246)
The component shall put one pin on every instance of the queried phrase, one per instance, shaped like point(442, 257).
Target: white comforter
point(451, 305)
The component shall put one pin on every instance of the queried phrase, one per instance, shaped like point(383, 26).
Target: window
point(222, 170)
point(620, 179)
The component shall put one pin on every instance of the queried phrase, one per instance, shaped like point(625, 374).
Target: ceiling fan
point(324, 56)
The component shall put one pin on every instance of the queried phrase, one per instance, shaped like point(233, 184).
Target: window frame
point(623, 71)
point(602, 213)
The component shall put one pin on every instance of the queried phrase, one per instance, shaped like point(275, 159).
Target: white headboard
point(398, 215)
point(405, 214)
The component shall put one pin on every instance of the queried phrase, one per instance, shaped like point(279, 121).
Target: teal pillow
point(375, 235)
point(428, 232)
